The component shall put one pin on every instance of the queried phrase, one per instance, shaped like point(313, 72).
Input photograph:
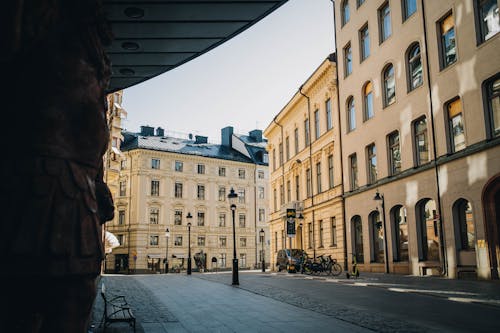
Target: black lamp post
point(189, 217)
point(167, 236)
point(301, 218)
point(380, 197)
point(232, 200)
point(263, 259)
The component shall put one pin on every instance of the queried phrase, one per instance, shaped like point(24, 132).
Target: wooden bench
point(116, 309)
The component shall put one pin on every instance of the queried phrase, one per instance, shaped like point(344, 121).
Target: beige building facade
point(163, 180)
point(305, 169)
point(420, 117)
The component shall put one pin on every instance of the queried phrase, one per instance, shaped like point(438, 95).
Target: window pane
point(328, 107)
point(368, 101)
point(415, 66)
point(385, 22)
point(409, 7)
point(456, 126)
point(365, 43)
point(448, 41)
point(421, 141)
point(389, 85)
point(489, 24)
point(494, 98)
point(348, 59)
point(394, 153)
point(345, 12)
point(372, 163)
point(351, 114)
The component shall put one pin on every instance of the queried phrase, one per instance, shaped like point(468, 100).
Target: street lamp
point(167, 236)
point(262, 252)
point(301, 218)
point(380, 197)
point(189, 217)
point(232, 200)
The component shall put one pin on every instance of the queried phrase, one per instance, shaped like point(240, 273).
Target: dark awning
point(155, 36)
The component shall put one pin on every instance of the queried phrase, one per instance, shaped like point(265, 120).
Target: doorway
point(491, 205)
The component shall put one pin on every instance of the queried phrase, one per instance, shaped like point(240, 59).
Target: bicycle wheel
point(336, 269)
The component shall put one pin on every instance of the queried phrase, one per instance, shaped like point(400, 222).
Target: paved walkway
point(208, 303)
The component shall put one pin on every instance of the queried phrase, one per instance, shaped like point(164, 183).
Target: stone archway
point(491, 206)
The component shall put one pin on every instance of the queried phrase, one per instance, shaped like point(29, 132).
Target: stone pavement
point(208, 303)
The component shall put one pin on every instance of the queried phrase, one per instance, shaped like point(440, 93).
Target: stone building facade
point(420, 117)
point(304, 151)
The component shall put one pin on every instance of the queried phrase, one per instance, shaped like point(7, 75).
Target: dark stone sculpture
point(54, 200)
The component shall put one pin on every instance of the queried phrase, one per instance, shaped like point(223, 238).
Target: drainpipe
point(282, 166)
point(442, 247)
point(310, 167)
point(340, 139)
point(129, 215)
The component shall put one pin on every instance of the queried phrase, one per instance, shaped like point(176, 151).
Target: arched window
point(351, 114)
point(346, 15)
point(414, 65)
point(357, 232)
point(463, 219)
point(368, 101)
point(427, 230)
point(389, 85)
point(377, 237)
point(400, 233)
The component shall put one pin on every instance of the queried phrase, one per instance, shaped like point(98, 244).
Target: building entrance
point(491, 204)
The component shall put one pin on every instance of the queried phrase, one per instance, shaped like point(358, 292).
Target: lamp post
point(380, 197)
point(232, 200)
point(301, 218)
point(189, 217)
point(167, 236)
point(263, 259)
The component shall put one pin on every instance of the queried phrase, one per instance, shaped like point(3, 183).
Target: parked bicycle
point(322, 265)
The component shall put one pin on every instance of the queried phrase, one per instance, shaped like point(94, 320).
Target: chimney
point(147, 131)
point(200, 139)
point(160, 131)
point(256, 135)
point(226, 136)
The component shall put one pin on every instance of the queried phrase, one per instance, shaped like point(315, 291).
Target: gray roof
point(181, 146)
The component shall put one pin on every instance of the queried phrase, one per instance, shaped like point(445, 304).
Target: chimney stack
point(256, 135)
point(147, 131)
point(160, 131)
point(200, 139)
point(226, 136)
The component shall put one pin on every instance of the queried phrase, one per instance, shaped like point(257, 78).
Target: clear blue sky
point(244, 82)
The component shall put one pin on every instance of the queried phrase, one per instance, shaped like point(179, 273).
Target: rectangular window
point(280, 148)
point(282, 194)
point(318, 177)
point(222, 261)
point(331, 179)
point(201, 240)
point(179, 166)
point(262, 215)
point(155, 163)
point(394, 153)
point(222, 219)
point(297, 188)
point(222, 242)
point(308, 183)
point(364, 38)
point(121, 217)
point(359, 2)
point(200, 194)
point(222, 193)
point(353, 165)
point(241, 195)
point(320, 233)
point(456, 131)
point(243, 260)
point(201, 169)
point(121, 239)
point(178, 190)
point(288, 191)
point(296, 136)
point(154, 214)
point(153, 240)
point(260, 174)
point(421, 143)
point(306, 132)
point(275, 200)
point(329, 120)
point(222, 172)
point(241, 173)
point(492, 104)
point(317, 129)
point(371, 156)
point(178, 217)
point(409, 8)
point(333, 223)
point(261, 192)
point(287, 148)
point(487, 19)
point(123, 188)
point(310, 235)
point(201, 219)
point(242, 220)
point(447, 41)
point(347, 60)
point(155, 188)
point(384, 21)
point(274, 159)
point(243, 242)
point(178, 241)
point(123, 164)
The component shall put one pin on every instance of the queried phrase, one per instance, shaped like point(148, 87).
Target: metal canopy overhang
point(152, 37)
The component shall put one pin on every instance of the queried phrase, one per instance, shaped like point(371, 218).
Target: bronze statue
point(54, 199)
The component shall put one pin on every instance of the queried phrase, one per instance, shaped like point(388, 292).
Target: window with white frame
point(154, 240)
point(179, 166)
point(222, 171)
point(200, 169)
point(178, 190)
point(241, 173)
point(242, 220)
point(222, 193)
point(155, 163)
point(178, 240)
point(200, 192)
point(154, 215)
point(201, 219)
point(222, 219)
point(178, 217)
point(155, 187)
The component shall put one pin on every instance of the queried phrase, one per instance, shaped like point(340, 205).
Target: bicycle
point(355, 270)
point(332, 266)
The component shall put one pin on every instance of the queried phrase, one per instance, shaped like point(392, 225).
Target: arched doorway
point(357, 237)
point(427, 230)
point(491, 206)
